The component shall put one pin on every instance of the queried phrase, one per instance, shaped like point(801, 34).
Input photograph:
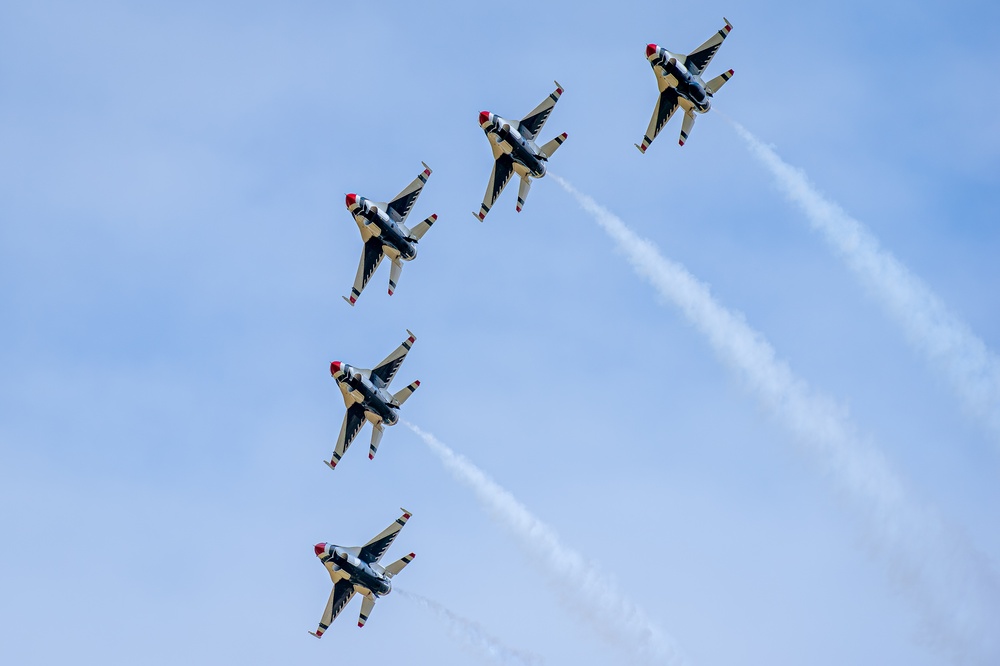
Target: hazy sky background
point(173, 251)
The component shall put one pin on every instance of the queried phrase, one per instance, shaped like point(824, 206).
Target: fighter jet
point(384, 233)
point(356, 569)
point(679, 78)
point(366, 394)
point(515, 150)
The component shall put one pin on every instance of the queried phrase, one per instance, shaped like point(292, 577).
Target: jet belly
point(688, 85)
point(520, 150)
point(392, 238)
point(366, 580)
point(374, 400)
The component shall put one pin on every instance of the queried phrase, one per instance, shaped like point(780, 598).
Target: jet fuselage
point(378, 223)
point(689, 86)
point(359, 389)
point(523, 151)
point(343, 564)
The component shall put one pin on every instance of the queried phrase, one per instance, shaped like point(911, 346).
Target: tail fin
point(686, 127)
point(398, 565)
point(417, 232)
point(552, 146)
point(377, 431)
point(367, 606)
point(522, 192)
point(719, 81)
point(400, 396)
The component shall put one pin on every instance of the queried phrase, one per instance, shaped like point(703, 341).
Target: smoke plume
point(972, 369)
point(948, 582)
point(473, 636)
point(579, 583)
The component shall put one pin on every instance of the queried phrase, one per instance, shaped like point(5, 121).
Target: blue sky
point(174, 248)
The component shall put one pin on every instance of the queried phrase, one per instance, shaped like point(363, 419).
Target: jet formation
point(356, 569)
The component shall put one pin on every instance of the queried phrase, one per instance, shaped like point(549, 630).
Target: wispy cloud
point(472, 635)
point(972, 369)
point(582, 585)
point(952, 586)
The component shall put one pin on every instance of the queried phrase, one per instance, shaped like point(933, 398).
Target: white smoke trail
point(952, 586)
point(472, 635)
point(973, 370)
point(580, 583)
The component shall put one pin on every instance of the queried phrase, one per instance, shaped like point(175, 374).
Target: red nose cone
point(484, 117)
point(320, 548)
point(651, 49)
point(335, 367)
point(352, 200)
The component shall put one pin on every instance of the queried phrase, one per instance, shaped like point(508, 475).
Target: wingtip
point(317, 635)
point(427, 169)
point(330, 464)
point(410, 333)
point(350, 301)
point(416, 383)
point(371, 456)
point(390, 292)
point(641, 149)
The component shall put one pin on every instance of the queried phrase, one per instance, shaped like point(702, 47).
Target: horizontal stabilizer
point(398, 565)
point(686, 127)
point(719, 81)
point(553, 145)
point(377, 432)
point(401, 396)
point(367, 606)
point(522, 192)
point(394, 271)
point(418, 231)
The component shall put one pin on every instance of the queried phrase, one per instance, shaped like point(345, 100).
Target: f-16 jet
point(515, 150)
point(680, 82)
point(356, 569)
point(366, 394)
point(385, 234)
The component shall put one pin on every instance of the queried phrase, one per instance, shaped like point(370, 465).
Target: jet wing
point(341, 594)
point(532, 123)
point(375, 549)
point(354, 419)
point(665, 107)
point(371, 257)
point(698, 60)
point(386, 370)
point(503, 169)
point(400, 207)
